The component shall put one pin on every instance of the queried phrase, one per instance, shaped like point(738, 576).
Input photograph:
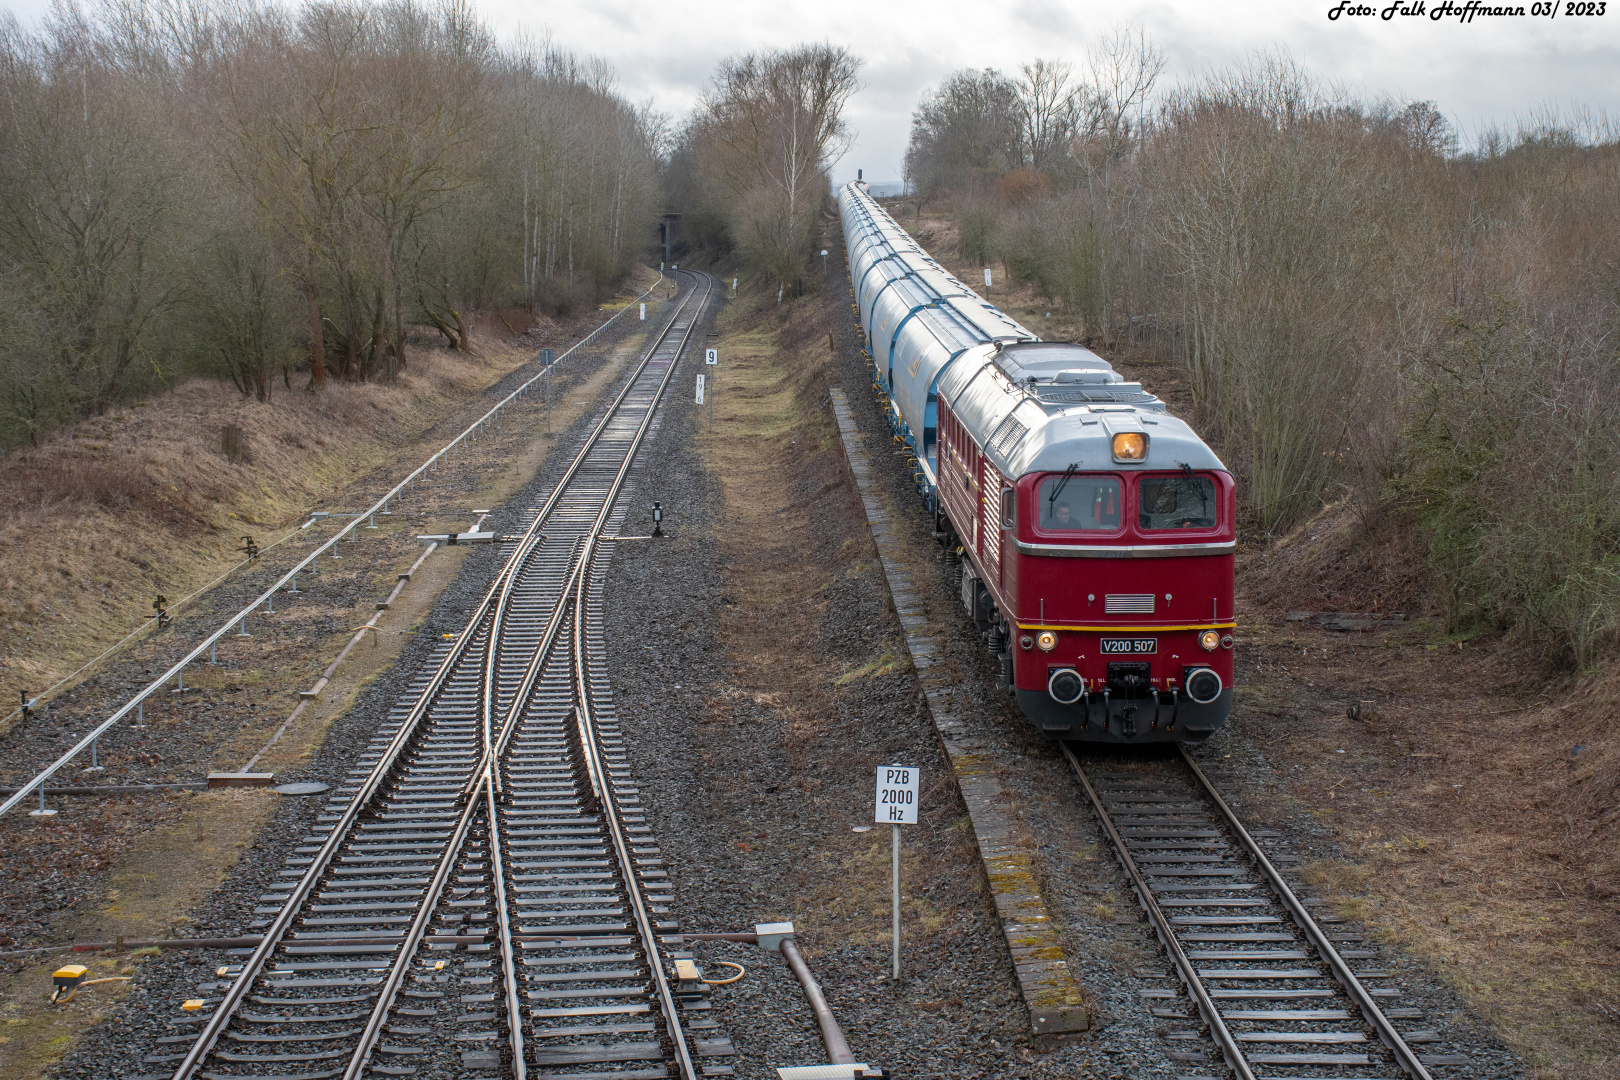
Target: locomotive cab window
point(1009, 508)
point(1079, 503)
point(1176, 502)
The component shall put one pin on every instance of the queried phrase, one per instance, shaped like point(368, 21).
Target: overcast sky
point(1493, 70)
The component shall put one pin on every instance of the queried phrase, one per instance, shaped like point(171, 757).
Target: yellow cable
point(741, 971)
point(74, 989)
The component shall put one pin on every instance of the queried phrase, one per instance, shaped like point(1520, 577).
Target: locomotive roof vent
point(1087, 375)
point(1124, 395)
point(1062, 373)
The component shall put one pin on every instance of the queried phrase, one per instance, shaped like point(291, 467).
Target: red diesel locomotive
point(1096, 531)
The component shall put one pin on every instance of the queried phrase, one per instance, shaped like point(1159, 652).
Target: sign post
point(643, 312)
point(711, 357)
point(896, 805)
point(700, 390)
point(545, 364)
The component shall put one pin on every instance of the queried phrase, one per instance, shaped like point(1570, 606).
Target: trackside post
point(896, 805)
point(711, 357)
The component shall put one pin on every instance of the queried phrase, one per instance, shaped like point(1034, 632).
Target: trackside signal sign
point(896, 795)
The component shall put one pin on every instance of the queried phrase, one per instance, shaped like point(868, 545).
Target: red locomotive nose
point(1094, 531)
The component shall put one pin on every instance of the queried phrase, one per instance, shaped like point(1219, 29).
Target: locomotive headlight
point(1130, 446)
point(1209, 640)
point(1046, 640)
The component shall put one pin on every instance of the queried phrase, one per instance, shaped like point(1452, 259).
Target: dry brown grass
point(794, 533)
point(1478, 812)
point(143, 500)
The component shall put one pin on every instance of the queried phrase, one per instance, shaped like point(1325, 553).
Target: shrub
point(976, 239)
point(1513, 470)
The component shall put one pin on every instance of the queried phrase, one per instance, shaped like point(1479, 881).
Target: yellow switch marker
point(192, 1004)
point(687, 971)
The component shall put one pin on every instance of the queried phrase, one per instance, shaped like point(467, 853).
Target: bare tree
point(965, 133)
point(87, 195)
point(177, 176)
point(1049, 109)
point(1120, 73)
point(770, 127)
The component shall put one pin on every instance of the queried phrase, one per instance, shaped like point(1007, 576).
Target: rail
point(1166, 833)
point(479, 795)
point(380, 506)
point(1352, 987)
point(1161, 927)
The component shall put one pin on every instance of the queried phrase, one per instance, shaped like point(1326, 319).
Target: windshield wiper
point(1189, 481)
point(1068, 474)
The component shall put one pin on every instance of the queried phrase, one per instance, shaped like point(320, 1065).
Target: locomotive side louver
point(1128, 604)
point(1007, 437)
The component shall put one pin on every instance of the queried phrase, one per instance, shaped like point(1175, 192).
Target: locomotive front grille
point(1128, 604)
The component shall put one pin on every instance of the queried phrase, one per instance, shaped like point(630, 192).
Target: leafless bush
point(754, 156)
point(216, 186)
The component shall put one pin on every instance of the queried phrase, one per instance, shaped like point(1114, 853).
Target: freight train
point(1094, 531)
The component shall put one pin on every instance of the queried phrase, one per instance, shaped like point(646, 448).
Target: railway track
point(1263, 985)
point(484, 895)
point(284, 577)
